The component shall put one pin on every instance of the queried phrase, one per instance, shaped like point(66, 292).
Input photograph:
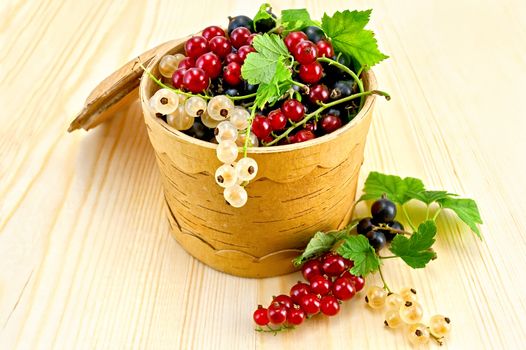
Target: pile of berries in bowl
point(259, 83)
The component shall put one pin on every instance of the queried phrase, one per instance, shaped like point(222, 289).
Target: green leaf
point(429, 197)
point(347, 33)
point(416, 250)
point(320, 243)
point(269, 93)
point(358, 249)
point(466, 209)
point(395, 188)
point(267, 61)
point(262, 14)
point(296, 19)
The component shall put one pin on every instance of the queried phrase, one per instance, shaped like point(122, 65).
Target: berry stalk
point(348, 71)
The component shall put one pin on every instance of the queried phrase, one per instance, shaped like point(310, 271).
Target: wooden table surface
point(86, 258)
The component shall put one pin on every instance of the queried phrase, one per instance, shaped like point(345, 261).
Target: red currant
point(319, 93)
point(195, 80)
point(177, 78)
point(239, 37)
point(299, 290)
point(187, 63)
point(310, 304)
point(293, 38)
point(329, 305)
point(357, 281)
point(330, 123)
point(293, 110)
point(311, 73)
point(267, 139)
point(196, 46)
point(210, 63)
point(244, 51)
point(325, 49)
point(251, 39)
point(233, 57)
point(261, 316)
point(296, 316)
point(277, 121)
point(334, 265)
point(343, 288)
point(220, 46)
point(348, 264)
point(284, 300)
point(311, 126)
point(232, 74)
point(212, 31)
point(277, 313)
point(320, 285)
point(302, 136)
point(305, 52)
point(261, 127)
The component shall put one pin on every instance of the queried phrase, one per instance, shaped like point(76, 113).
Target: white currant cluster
point(404, 309)
point(230, 123)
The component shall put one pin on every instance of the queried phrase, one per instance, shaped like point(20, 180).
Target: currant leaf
point(466, 209)
point(320, 243)
point(394, 187)
point(358, 249)
point(296, 19)
point(347, 33)
point(416, 250)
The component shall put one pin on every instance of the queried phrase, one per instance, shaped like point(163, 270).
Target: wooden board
point(87, 258)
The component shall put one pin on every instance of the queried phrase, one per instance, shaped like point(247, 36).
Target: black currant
point(266, 24)
point(342, 88)
point(376, 239)
point(249, 88)
point(335, 111)
point(383, 210)
point(365, 225)
point(200, 131)
point(240, 21)
point(314, 33)
point(232, 92)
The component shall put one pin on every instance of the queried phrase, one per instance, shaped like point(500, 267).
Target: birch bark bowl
point(299, 189)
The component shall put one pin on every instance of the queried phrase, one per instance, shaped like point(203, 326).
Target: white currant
point(394, 301)
point(226, 175)
point(195, 106)
point(225, 131)
point(179, 119)
point(439, 326)
point(164, 101)
point(239, 118)
point(227, 152)
point(253, 139)
point(392, 319)
point(220, 107)
point(236, 196)
point(411, 312)
point(247, 169)
point(209, 122)
point(418, 334)
point(408, 294)
point(169, 63)
point(375, 297)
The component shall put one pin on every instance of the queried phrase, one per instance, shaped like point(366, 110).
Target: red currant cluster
point(329, 284)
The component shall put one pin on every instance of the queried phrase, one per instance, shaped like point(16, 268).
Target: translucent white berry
point(418, 334)
point(247, 169)
point(394, 301)
point(439, 326)
point(226, 175)
point(375, 297)
point(239, 117)
point(408, 294)
point(411, 312)
point(195, 106)
point(236, 196)
point(209, 122)
point(225, 131)
point(227, 152)
point(169, 63)
point(164, 101)
point(179, 119)
point(392, 319)
point(220, 107)
point(253, 142)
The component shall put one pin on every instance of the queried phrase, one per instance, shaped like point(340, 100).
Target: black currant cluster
point(382, 227)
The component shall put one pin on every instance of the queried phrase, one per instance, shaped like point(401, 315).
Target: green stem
point(247, 134)
point(244, 97)
point(297, 83)
point(322, 108)
point(408, 218)
point(386, 287)
point(436, 214)
point(388, 257)
point(390, 229)
point(362, 68)
point(348, 71)
point(427, 212)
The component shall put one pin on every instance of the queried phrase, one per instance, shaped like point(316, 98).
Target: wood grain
point(87, 258)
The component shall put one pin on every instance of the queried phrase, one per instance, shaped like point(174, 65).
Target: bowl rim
point(368, 77)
